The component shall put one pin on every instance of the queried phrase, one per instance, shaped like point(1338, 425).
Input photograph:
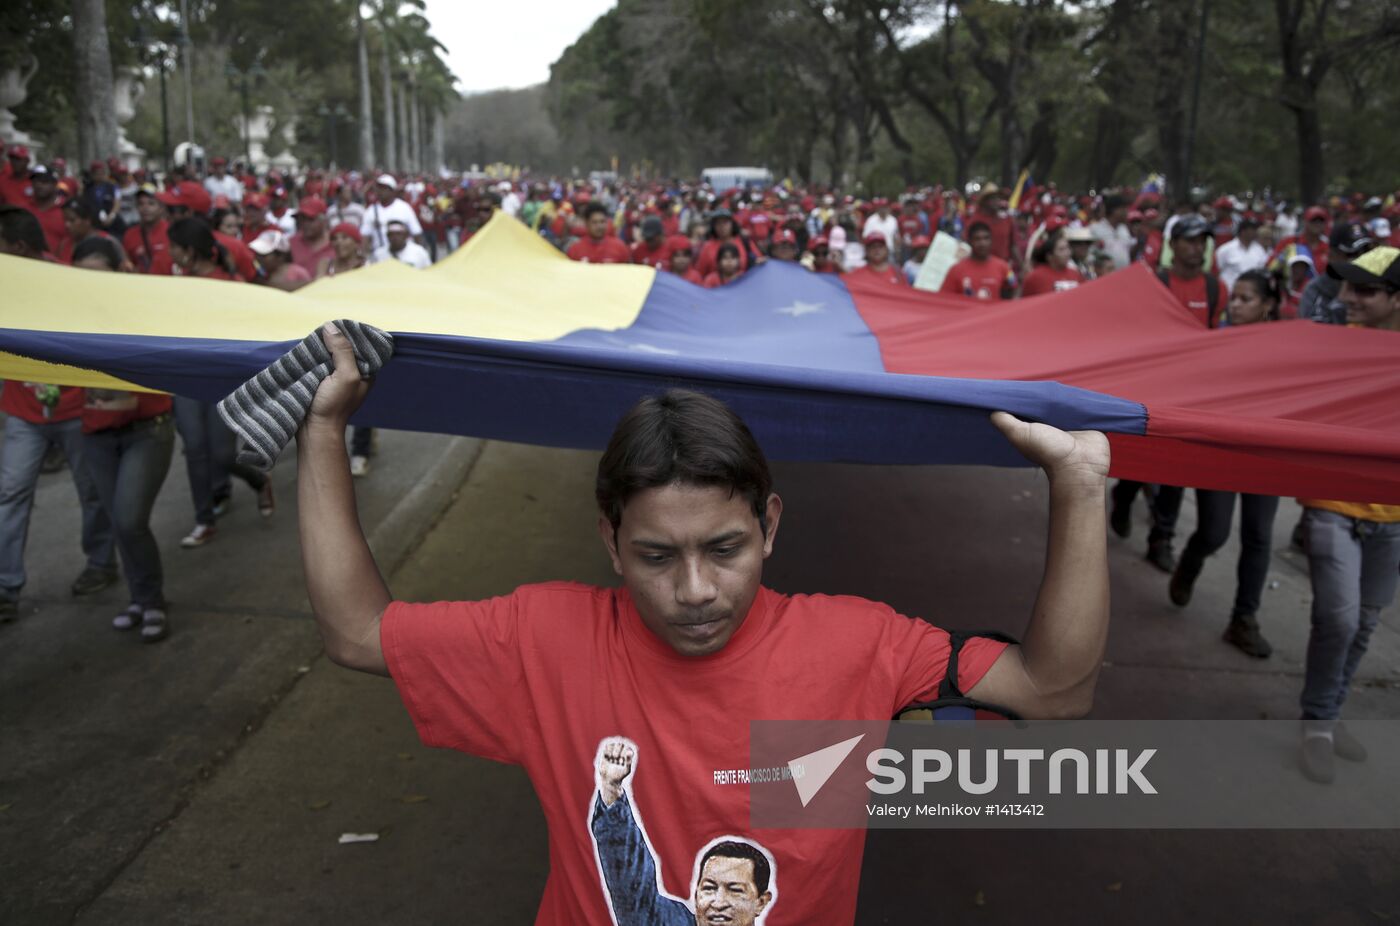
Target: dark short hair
point(101, 245)
point(682, 437)
point(81, 208)
point(976, 227)
point(762, 871)
point(728, 248)
point(20, 226)
point(592, 209)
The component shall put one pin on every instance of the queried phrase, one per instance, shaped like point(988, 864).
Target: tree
point(96, 105)
point(366, 137)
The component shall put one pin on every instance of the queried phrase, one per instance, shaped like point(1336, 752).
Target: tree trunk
point(439, 143)
point(92, 60)
point(403, 128)
point(366, 110)
point(391, 154)
point(1169, 102)
point(415, 156)
point(1310, 166)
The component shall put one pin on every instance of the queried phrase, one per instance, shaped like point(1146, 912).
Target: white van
point(728, 178)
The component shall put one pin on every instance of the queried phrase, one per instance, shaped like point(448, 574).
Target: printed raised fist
point(615, 760)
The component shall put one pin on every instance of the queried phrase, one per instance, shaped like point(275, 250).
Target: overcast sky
point(509, 44)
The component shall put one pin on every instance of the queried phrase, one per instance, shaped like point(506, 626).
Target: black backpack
point(1212, 293)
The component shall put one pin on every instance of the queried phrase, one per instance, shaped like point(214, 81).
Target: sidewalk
point(221, 799)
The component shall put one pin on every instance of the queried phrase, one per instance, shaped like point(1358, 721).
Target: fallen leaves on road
point(414, 798)
point(318, 805)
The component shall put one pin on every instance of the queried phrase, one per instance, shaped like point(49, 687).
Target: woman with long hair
point(197, 253)
point(727, 266)
point(1255, 299)
point(128, 440)
point(1053, 271)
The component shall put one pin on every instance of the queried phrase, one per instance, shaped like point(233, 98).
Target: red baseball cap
point(923, 241)
point(97, 165)
point(311, 206)
point(348, 229)
point(1224, 202)
point(1315, 212)
point(218, 161)
point(679, 243)
point(19, 151)
point(821, 241)
point(874, 238)
point(194, 196)
point(1135, 215)
point(784, 236)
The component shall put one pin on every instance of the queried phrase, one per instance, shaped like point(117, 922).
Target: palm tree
point(366, 110)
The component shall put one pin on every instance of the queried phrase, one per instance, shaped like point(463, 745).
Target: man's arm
point(1054, 670)
point(347, 593)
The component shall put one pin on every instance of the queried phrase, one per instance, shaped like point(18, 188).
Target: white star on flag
point(800, 308)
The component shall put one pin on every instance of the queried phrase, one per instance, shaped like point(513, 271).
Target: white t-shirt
point(888, 226)
point(1116, 241)
point(1234, 258)
point(377, 219)
point(413, 254)
point(227, 186)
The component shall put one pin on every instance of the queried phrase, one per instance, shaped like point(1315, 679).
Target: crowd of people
point(1229, 261)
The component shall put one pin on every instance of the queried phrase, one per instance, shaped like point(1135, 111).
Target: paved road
point(206, 780)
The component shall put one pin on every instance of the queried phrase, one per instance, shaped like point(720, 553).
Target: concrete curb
point(395, 537)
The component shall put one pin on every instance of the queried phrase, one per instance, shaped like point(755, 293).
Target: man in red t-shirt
point(981, 275)
point(574, 682)
point(991, 212)
point(47, 203)
point(877, 262)
point(597, 246)
point(1314, 235)
point(147, 242)
point(1200, 293)
point(14, 183)
point(653, 250)
point(37, 416)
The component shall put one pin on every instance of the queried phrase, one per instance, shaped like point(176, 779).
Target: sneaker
point(128, 619)
point(1347, 746)
point(359, 466)
point(154, 627)
point(9, 610)
point(1159, 554)
point(266, 503)
point(1316, 758)
point(1243, 633)
point(202, 534)
point(92, 579)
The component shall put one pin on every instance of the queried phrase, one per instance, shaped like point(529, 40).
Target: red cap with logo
point(785, 236)
point(1315, 212)
point(311, 206)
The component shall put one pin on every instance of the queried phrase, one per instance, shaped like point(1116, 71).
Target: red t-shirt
point(1151, 253)
point(608, 251)
point(1193, 295)
point(1003, 229)
point(146, 405)
point(712, 279)
point(691, 275)
point(980, 279)
point(242, 256)
point(157, 261)
point(541, 677)
point(22, 401)
point(15, 190)
point(1046, 279)
point(51, 220)
point(659, 257)
point(891, 274)
point(307, 257)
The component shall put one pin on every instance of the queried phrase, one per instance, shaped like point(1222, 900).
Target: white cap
point(387, 180)
point(269, 241)
point(503, 186)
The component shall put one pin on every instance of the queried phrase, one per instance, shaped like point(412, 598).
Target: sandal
point(153, 626)
point(128, 619)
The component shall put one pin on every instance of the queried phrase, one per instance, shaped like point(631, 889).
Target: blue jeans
point(209, 456)
point(128, 465)
point(1353, 564)
point(20, 459)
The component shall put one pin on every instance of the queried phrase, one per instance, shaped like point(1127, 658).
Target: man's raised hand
point(341, 393)
point(615, 759)
point(1069, 458)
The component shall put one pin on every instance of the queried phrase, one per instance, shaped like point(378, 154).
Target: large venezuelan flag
point(507, 339)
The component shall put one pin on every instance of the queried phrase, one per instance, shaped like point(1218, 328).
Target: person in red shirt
point(146, 242)
point(991, 213)
point(14, 183)
point(723, 230)
point(128, 441)
point(255, 217)
point(682, 264)
point(1202, 294)
point(1313, 235)
point(197, 253)
point(47, 205)
point(1053, 271)
point(687, 518)
point(981, 275)
point(653, 250)
point(727, 267)
point(597, 246)
point(37, 416)
point(822, 259)
point(312, 243)
point(783, 245)
point(878, 265)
